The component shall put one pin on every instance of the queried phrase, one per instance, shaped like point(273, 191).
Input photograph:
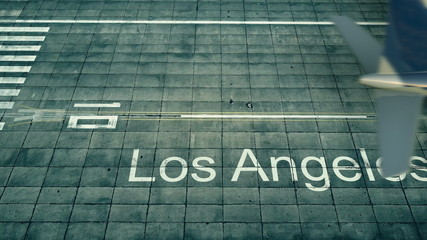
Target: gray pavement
point(127, 130)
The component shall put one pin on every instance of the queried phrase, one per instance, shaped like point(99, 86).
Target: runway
point(195, 120)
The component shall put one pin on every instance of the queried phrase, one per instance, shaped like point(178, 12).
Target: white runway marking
point(97, 105)
point(15, 68)
point(9, 92)
point(24, 29)
point(17, 48)
point(18, 58)
point(237, 116)
point(6, 105)
point(22, 38)
point(12, 80)
point(200, 22)
point(111, 124)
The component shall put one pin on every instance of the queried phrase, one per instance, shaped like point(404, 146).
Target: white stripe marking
point(6, 105)
point(13, 80)
point(20, 48)
point(188, 22)
point(24, 29)
point(22, 38)
point(18, 58)
point(220, 116)
point(112, 122)
point(9, 92)
point(1, 125)
point(15, 68)
point(97, 105)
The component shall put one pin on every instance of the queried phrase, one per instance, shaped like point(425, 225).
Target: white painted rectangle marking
point(243, 116)
point(18, 58)
point(97, 105)
point(6, 105)
point(9, 92)
point(112, 122)
point(1, 125)
point(15, 68)
point(12, 80)
point(18, 48)
point(24, 29)
point(22, 38)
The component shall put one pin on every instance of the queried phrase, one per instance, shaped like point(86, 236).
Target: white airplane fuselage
point(414, 82)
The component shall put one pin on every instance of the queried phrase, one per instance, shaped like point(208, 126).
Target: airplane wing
point(397, 112)
point(367, 49)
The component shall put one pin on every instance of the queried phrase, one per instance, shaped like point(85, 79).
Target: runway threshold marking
point(12, 80)
point(22, 38)
point(24, 29)
point(10, 92)
point(10, 69)
point(6, 105)
point(19, 48)
point(17, 58)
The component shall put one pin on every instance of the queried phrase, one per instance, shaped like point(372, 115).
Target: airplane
point(398, 72)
